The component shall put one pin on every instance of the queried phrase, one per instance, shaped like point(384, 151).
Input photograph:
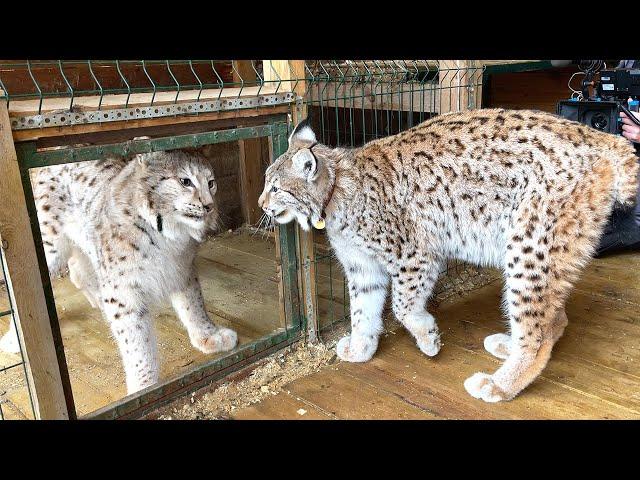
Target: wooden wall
point(224, 160)
point(540, 89)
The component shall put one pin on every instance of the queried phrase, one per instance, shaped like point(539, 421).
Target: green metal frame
point(136, 404)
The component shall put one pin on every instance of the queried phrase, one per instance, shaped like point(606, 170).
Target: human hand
point(629, 129)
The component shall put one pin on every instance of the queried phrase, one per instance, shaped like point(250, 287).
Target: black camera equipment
point(613, 88)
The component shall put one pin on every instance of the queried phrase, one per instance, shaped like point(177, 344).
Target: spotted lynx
point(128, 232)
point(523, 191)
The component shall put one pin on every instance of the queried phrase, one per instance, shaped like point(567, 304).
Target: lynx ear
point(305, 162)
point(303, 133)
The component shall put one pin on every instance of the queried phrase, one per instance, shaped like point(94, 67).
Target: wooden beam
point(459, 85)
point(250, 158)
point(25, 287)
point(292, 75)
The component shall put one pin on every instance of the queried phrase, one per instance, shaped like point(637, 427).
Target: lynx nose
point(208, 207)
point(261, 200)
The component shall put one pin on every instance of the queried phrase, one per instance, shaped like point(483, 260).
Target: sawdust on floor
point(268, 379)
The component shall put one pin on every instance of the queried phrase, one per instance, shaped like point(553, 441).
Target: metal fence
point(13, 367)
point(353, 102)
point(350, 103)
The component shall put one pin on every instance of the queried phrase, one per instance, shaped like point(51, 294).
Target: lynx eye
point(211, 184)
point(186, 182)
point(274, 189)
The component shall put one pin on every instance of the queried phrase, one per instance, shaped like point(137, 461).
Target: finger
point(631, 134)
point(631, 130)
point(627, 121)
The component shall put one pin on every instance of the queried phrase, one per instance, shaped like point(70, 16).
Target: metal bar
point(136, 405)
point(4, 369)
point(197, 78)
point(95, 79)
point(37, 86)
point(176, 82)
point(66, 81)
point(126, 104)
point(56, 119)
point(144, 68)
point(33, 159)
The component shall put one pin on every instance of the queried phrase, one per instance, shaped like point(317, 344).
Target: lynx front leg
point(82, 275)
point(133, 331)
point(412, 287)
point(367, 292)
point(204, 334)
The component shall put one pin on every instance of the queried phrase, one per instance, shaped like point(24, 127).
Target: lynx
point(523, 191)
point(128, 231)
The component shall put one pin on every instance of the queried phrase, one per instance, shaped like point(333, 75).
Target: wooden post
point(292, 75)
point(250, 155)
point(24, 285)
point(454, 79)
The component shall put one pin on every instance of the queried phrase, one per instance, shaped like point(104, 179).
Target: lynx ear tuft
point(303, 133)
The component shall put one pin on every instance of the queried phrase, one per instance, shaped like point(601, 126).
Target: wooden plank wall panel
point(539, 90)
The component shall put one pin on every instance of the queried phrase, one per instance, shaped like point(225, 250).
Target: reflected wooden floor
point(594, 372)
point(238, 276)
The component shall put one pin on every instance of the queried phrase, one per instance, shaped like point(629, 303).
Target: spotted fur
point(128, 231)
point(524, 191)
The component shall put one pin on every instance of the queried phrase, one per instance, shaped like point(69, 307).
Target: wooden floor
point(594, 372)
point(238, 277)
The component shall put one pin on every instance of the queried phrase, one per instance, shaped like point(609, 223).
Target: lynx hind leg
point(50, 197)
point(205, 335)
point(9, 342)
point(545, 254)
point(368, 282)
point(82, 275)
point(499, 344)
point(412, 287)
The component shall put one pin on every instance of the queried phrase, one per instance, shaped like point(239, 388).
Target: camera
point(612, 89)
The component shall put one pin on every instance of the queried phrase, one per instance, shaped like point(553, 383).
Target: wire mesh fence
point(353, 102)
point(14, 379)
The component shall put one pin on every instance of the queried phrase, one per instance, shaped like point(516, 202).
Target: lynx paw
point(430, 344)
point(498, 345)
point(219, 340)
point(9, 342)
point(356, 349)
point(481, 385)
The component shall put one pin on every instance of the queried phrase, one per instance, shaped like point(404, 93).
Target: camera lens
point(599, 121)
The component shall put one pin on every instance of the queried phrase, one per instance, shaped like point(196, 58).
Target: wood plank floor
point(594, 372)
point(239, 283)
